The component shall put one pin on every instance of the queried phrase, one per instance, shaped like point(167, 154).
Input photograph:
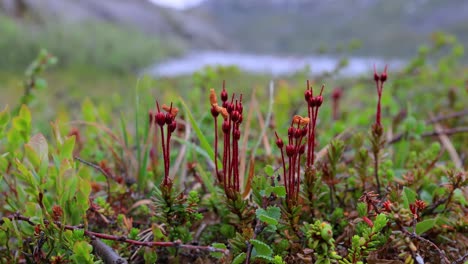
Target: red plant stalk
point(379, 82)
point(294, 150)
point(313, 105)
point(232, 119)
point(336, 96)
point(165, 119)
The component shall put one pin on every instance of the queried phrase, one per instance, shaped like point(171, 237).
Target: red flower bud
point(172, 126)
point(290, 150)
point(297, 133)
point(413, 208)
point(236, 134)
point(318, 100)
point(224, 95)
point(169, 118)
point(279, 143)
point(376, 76)
point(387, 206)
point(235, 115)
point(291, 131)
point(307, 95)
point(240, 108)
point(214, 113)
point(57, 212)
point(383, 75)
point(368, 221)
point(302, 149)
point(160, 118)
point(229, 107)
point(337, 93)
point(226, 126)
point(420, 204)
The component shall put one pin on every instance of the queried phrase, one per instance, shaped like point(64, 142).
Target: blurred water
point(265, 64)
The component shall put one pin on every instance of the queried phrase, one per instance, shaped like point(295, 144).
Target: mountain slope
point(393, 28)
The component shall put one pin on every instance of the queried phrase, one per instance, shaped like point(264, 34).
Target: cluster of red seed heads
point(301, 135)
point(164, 119)
point(379, 82)
point(301, 139)
point(231, 111)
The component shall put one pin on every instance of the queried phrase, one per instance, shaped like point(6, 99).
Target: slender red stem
point(164, 154)
point(168, 158)
point(225, 157)
point(216, 148)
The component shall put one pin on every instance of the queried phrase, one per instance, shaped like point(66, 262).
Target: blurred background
point(114, 41)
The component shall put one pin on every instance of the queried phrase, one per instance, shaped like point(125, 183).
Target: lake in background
point(267, 64)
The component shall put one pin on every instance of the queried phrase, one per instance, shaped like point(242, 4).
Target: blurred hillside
point(387, 28)
point(126, 34)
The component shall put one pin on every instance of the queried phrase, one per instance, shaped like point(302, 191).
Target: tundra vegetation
point(304, 170)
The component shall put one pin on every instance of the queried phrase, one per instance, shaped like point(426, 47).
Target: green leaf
point(379, 223)
point(425, 225)
point(25, 174)
point(362, 209)
point(280, 191)
point(265, 258)
point(460, 197)
point(201, 136)
point(82, 252)
point(25, 114)
point(239, 259)
point(267, 219)
point(409, 196)
point(261, 248)
point(40, 84)
point(66, 150)
point(218, 254)
point(150, 256)
point(270, 216)
point(269, 170)
point(31, 156)
point(39, 144)
point(88, 111)
point(4, 118)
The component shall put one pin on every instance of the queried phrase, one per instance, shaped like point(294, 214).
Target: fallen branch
point(106, 253)
point(94, 235)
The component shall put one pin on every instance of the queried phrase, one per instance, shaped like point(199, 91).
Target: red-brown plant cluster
point(231, 112)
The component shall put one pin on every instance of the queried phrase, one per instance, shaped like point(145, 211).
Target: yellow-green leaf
point(39, 144)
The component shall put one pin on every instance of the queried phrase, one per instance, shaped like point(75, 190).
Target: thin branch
point(123, 239)
point(461, 259)
point(443, 259)
point(447, 132)
point(267, 122)
point(447, 116)
point(101, 170)
point(444, 139)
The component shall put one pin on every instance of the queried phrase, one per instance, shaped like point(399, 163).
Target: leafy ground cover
point(372, 171)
